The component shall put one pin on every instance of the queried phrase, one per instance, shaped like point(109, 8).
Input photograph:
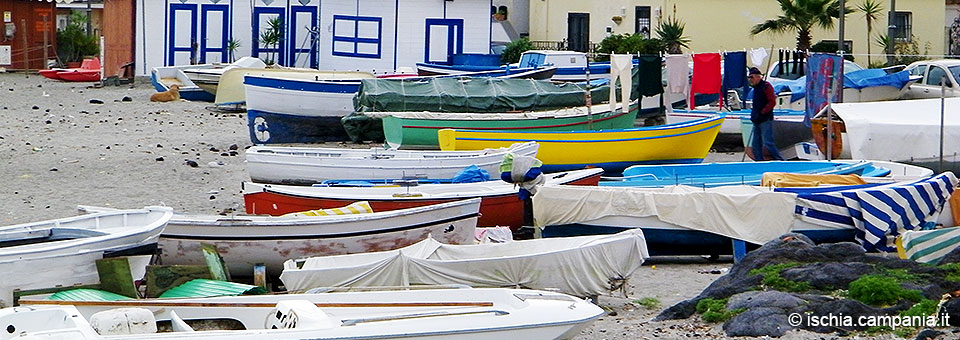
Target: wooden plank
point(115, 276)
point(162, 303)
point(218, 268)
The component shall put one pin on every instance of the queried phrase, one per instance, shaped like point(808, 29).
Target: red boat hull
point(80, 75)
point(495, 210)
point(50, 74)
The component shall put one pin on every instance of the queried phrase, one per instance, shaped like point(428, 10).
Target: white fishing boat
point(163, 77)
point(453, 314)
point(304, 165)
point(62, 251)
point(246, 240)
point(581, 266)
point(208, 78)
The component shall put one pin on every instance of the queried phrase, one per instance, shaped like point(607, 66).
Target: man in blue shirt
point(762, 116)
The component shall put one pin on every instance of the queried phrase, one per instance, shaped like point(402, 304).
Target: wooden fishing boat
point(418, 130)
point(283, 108)
point(301, 165)
point(65, 249)
point(569, 265)
point(500, 206)
point(441, 314)
point(695, 220)
point(270, 240)
point(208, 78)
point(731, 124)
point(612, 150)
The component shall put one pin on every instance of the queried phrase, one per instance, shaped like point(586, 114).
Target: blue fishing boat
point(571, 66)
point(734, 173)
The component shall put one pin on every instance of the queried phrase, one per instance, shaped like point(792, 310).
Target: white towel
point(621, 67)
point(678, 73)
point(758, 56)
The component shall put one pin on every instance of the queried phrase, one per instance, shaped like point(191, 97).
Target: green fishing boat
point(418, 130)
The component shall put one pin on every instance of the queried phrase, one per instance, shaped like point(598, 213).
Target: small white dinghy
point(247, 240)
point(300, 165)
point(582, 266)
point(493, 313)
point(63, 251)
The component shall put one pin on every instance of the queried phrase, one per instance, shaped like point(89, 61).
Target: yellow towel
point(783, 180)
point(361, 207)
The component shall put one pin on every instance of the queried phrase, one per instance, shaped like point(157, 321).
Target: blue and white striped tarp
point(929, 246)
point(879, 212)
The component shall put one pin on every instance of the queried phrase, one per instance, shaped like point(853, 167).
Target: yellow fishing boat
point(612, 150)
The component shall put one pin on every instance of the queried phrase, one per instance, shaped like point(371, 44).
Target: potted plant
point(73, 42)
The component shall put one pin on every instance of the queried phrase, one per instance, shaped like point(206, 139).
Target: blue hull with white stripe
point(271, 128)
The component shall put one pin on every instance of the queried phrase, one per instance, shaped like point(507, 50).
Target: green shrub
point(881, 290)
point(772, 278)
point(627, 44)
point(715, 310)
point(511, 54)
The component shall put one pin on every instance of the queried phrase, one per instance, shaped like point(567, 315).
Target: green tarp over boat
point(474, 95)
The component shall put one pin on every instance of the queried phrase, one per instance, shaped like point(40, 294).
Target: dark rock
point(762, 321)
point(234, 147)
point(224, 154)
point(48, 122)
point(952, 309)
point(233, 153)
point(192, 164)
point(96, 101)
point(126, 99)
point(681, 310)
point(214, 149)
point(828, 275)
point(159, 146)
point(770, 298)
point(36, 107)
point(212, 197)
point(108, 147)
point(951, 257)
point(159, 159)
point(53, 169)
point(929, 334)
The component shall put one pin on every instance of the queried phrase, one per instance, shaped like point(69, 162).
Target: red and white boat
point(89, 71)
point(500, 205)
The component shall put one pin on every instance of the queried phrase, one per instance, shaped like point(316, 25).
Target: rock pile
point(793, 276)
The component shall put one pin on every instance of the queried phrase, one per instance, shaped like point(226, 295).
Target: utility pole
point(891, 30)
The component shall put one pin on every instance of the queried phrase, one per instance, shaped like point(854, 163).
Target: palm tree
point(802, 15)
point(670, 32)
point(872, 11)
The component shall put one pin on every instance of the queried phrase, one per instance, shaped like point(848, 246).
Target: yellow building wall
point(724, 25)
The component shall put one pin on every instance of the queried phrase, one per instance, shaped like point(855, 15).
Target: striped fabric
point(879, 212)
point(361, 207)
point(929, 246)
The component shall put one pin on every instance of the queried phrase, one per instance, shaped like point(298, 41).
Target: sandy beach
point(61, 149)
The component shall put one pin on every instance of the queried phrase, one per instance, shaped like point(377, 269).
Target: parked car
point(932, 71)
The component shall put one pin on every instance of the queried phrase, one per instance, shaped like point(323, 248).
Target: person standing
point(762, 116)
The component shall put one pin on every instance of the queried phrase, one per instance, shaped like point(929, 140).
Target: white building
point(368, 35)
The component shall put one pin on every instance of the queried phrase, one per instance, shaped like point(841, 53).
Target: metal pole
point(943, 89)
point(589, 96)
point(840, 45)
point(46, 31)
point(89, 18)
point(830, 81)
point(891, 30)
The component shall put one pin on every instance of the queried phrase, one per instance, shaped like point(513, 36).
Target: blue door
point(261, 17)
point(182, 35)
point(304, 36)
point(444, 38)
point(214, 33)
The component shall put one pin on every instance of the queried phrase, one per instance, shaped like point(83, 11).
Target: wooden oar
point(161, 303)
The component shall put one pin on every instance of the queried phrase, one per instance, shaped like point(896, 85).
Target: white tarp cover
point(581, 266)
point(900, 130)
point(752, 214)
